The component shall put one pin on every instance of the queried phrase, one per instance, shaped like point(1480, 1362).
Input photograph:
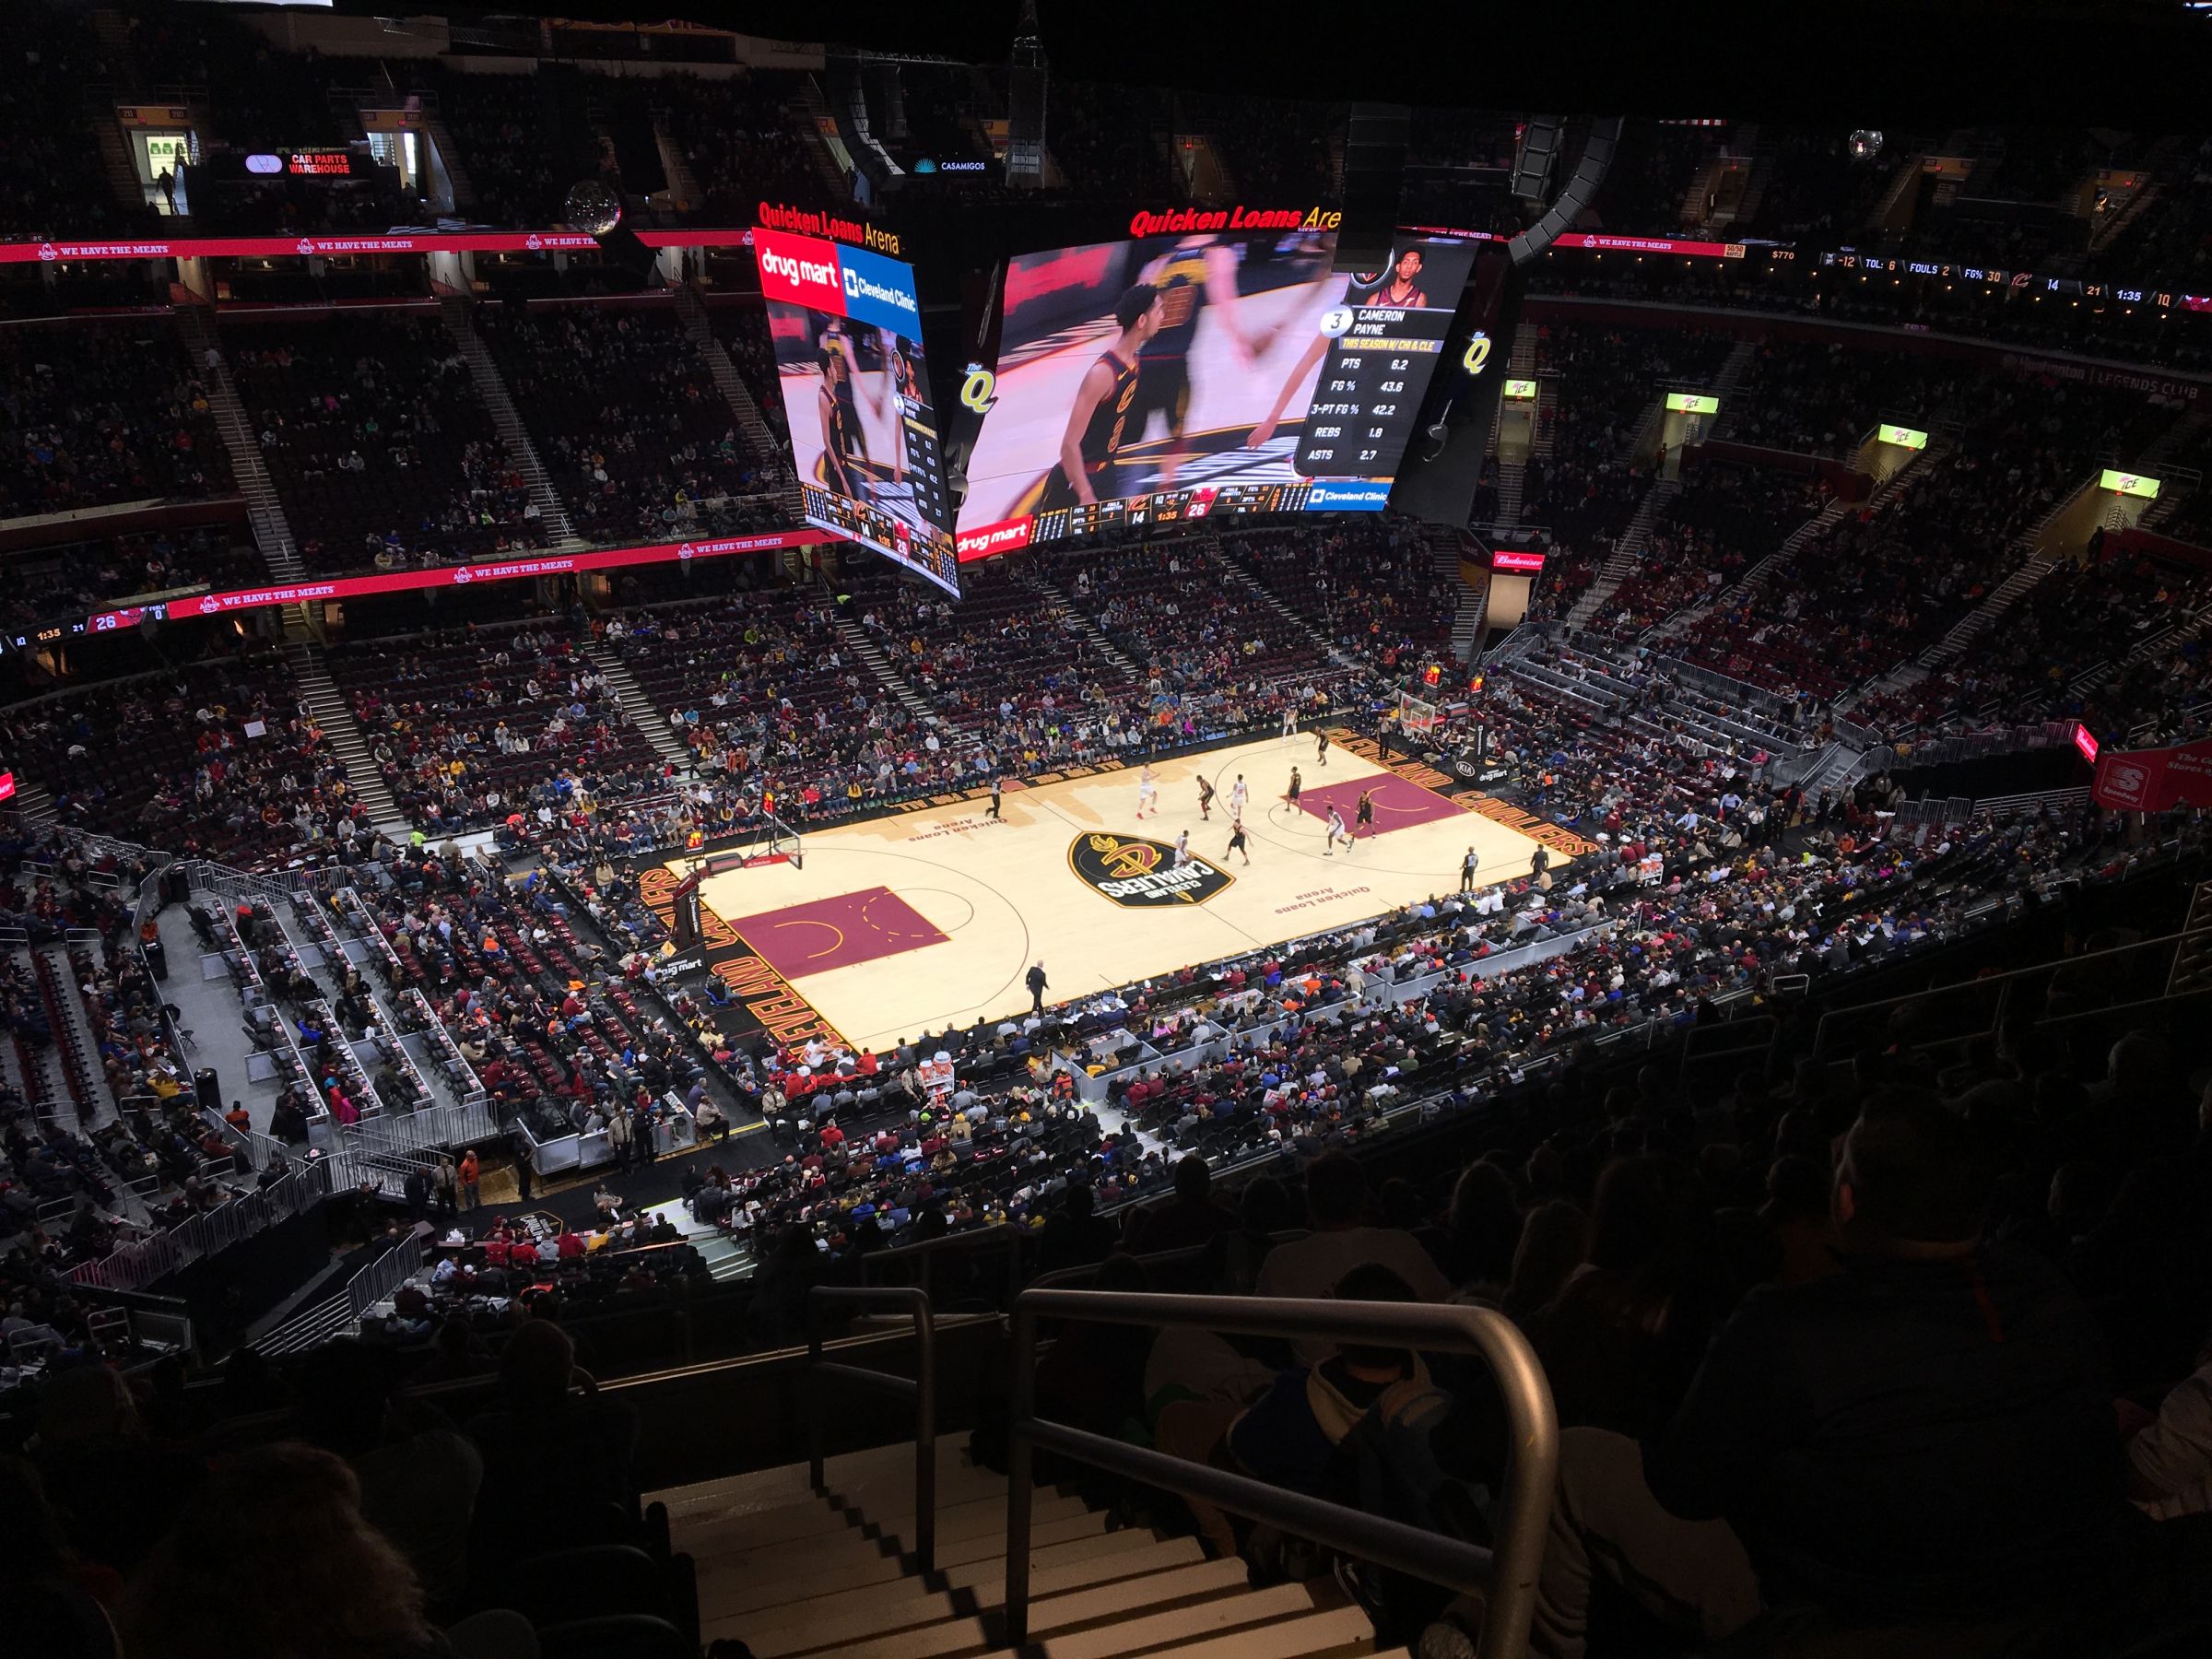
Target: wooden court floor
point(910, 922)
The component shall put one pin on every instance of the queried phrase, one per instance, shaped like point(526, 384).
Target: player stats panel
point(1379, 346)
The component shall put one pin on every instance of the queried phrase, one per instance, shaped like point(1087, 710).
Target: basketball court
point(931, 917)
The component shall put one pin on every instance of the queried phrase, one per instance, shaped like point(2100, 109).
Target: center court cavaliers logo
point(1133, 871)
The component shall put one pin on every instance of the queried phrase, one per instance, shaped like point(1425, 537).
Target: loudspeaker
point(628, 254)
point(1374, 173)
point(1582, 190)
point(1539, 148)
point(845, 92)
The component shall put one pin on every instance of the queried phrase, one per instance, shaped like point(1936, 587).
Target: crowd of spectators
point(1724, 519)
point(217, 760)
point(378, 443)
point(70, 581)
point(483, 726)
point(1372, 588)
point(1888, 580)
point(1005, 663)
point(97, 413)
point(638, 439)
point(737, 139)
point(779, 718)
point(52, 182)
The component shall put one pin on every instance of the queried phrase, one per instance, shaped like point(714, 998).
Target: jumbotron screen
point(1173, 377)
point(847, 327)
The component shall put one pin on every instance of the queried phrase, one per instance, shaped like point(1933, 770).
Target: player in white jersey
point(1147, 792)
point(1183, 849)
point(1289, 724)
point(1239, 796)
point(1336, 828)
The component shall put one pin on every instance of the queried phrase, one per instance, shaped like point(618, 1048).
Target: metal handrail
point(921, 1388)
point(1505, 1576)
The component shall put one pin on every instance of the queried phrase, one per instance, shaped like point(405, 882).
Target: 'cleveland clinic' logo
point(1133, 871)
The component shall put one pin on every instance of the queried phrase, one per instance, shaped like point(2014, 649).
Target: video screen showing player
point(1129, 368)
point(863, 436)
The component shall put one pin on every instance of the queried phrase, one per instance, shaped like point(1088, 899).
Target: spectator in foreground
point(275, 1557)
point(1313, 1267)
point(1921, 1443)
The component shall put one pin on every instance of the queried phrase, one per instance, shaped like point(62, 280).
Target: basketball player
point(1321, 748)
point(905, 393)
point(1198, 271)
point(843, 442)
point(1403, 288)
point(1364, 817)
point(1099, 422)
point(1297, 783)
point(1235, 841)
point(1336, 829)
point(1205, 799)
point(1290, 724)
point(1240, 797)
point(1147, 792)
point(1182, 848)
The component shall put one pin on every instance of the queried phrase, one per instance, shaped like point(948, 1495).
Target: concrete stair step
point(1191, 1625)
point(1120, 1602)
point(817, 1622)
point(799, 1593)
point(1338, 1631)
point(885, 1480)
point(760, 1578)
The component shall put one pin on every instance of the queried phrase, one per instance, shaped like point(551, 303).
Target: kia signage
point(510, 569)
point(2130, 484)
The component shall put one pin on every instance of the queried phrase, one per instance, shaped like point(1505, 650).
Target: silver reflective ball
point(592, 207)
point(1866, 144)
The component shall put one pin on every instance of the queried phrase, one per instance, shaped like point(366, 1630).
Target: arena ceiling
point(2128, 64)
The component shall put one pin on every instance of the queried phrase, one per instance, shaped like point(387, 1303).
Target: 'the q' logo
point(981, 389)
point(1478, 352)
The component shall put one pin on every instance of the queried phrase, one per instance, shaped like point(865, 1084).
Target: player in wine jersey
point(1404, 288)
point(1098, 423)
point(1197, 273)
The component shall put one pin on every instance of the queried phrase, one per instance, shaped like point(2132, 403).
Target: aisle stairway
point(334, 715)
point(791, 1572)
point(553, 518)
point(1627, 548)
point(265, 514)
point(857, 642)
point(1756, 580)
point(767, 452)
point(639, 707)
